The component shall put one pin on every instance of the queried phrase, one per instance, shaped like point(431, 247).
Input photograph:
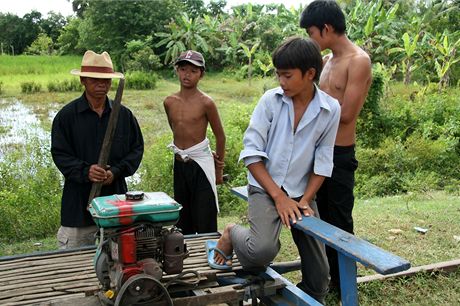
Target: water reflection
point(18, 124)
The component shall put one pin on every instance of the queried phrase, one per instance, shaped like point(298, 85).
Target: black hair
point(183, 63)
point(298, 53)
point(322, 12)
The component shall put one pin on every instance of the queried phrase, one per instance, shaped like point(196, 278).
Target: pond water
point(18, 124)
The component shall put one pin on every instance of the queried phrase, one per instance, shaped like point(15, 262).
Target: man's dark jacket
point(76, 140)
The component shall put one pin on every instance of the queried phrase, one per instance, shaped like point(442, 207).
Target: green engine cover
point(116, 210)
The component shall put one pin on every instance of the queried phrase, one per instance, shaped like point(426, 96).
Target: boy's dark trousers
point(194, 192)
point(335, 200)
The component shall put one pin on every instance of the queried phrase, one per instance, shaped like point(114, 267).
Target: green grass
point(37, 65)
point(15, 70)
point(422, 289)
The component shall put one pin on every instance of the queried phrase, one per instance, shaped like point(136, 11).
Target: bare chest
point(186, 114)
point(334, 78)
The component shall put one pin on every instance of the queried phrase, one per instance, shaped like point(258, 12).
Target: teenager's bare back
point(188, 118)
point(347, 77)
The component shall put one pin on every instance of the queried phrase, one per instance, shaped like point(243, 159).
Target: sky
point(21, 7)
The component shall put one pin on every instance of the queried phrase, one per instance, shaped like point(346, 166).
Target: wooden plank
point(59, 254)
point(358, 249)
point(33, 298)
point(445, 266)
point(49, 281)
point(37, 265)
point(80, 301)
point(43, 268)
point(211, 296)
point(45, 300)
point(44, 275)
point(93, 285)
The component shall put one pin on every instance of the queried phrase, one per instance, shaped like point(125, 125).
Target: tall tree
point(68, 40)
point(10, 33)
point(18, 33)
point(108, 25)
point(53, 24)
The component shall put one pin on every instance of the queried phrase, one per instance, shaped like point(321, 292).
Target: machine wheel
point(142, 289)
point(102, 269)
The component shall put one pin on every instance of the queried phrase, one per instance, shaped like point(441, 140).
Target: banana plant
point(229, 48)
point(372, 26)
point(446, 57)
point(184, 33)
point(410, 49)
point(265, 64)
point(249, 52)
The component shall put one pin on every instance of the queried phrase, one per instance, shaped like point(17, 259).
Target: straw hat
point(98, 66)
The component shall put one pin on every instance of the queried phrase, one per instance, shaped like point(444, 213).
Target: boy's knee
point(264, 253)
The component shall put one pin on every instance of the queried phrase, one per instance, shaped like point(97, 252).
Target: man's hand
point(97, 174)
point(219, 165)
point(109, 178)
point(219, 176)
point(288, 209)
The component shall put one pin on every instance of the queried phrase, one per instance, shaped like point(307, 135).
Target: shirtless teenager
point(347, 77)
point(196, 169)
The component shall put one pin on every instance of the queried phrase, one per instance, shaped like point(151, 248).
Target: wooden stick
point(108, 138)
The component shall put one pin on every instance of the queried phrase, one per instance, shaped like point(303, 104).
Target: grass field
point(387, 222)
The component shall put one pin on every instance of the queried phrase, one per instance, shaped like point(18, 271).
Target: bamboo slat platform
point(57, 277)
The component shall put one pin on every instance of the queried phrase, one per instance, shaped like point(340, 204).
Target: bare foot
point(225, 245)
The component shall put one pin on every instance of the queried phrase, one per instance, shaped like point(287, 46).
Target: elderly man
point(76, 139)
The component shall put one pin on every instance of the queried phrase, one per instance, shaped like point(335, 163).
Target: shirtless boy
point(196, 169)
point(347, 77)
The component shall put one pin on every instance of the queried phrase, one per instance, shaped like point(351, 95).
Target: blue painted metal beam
point(345, 243)
point(290, 295)
point(348, 286)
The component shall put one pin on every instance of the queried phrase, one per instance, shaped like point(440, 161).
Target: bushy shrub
point(141, 80)
point(157, 167)
point(412, 165)
point(409, 142)
point(370, 125)
point(42, 45)
point(30, 193)
point(235, 125)
point(143, 60)
point(30, 87)
point(65, 85)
